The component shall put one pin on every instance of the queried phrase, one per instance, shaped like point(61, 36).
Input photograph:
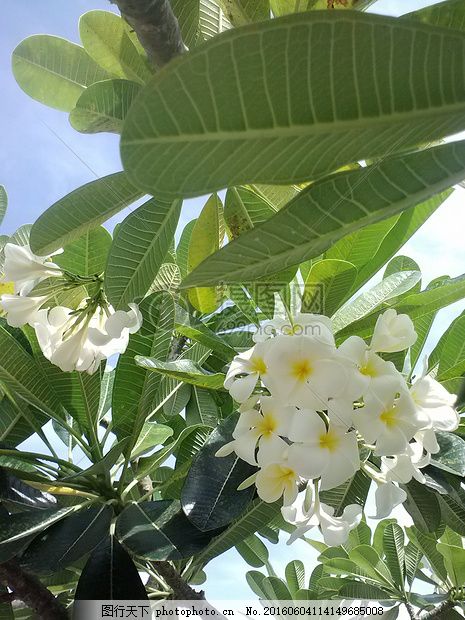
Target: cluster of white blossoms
point(311, 413)
point(72, 339)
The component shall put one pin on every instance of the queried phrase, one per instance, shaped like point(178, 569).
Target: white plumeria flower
point(307, 512)
point(21, 310)
point(26, 269)
point(277, 480)
point(403, 467)
point(387, 497)
point(120, 320)
point(304, 324)
point(265, 428)
point(435, 402)
point(252, 364)
point(303, 372)
point(388, 420)
point(366, 370)
point(330, 453)
point(393, 332)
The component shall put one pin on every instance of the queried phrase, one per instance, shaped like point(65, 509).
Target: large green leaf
point(452, 351)
point(330, 209)
point(393, 543)
point(253, 551)
point(69, 540)
point(354, 491)
point(183, 370)
point(104, 106)
point(107, 39)
point(454, 560)
point(206, 238)
point(83, 209)
point(422, 505)
point(20, 372)
point(413, 557)
point(159, 531)
point(202, 408)
point(110, 574)
point(257, 515)
point(369, 561)
point(427, 543)
point(87, 255)
point(135, 390)
point(448, 14)
point(193, 328)
point(210, 497)
point(138, 250)
point(292, 112)
point(54, 71)
point(392, 286)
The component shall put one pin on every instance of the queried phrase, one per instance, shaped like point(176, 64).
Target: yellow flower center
point(389, 417)
point(268, 425)
point(330, 441)
point(369, 370)
point(257, 364)
point(287, 474)
point(301, 370)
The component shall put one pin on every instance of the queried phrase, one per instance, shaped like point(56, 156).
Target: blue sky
point(42, 160)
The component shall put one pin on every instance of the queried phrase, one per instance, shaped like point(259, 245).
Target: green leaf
point(159, 531)
point(202, 408)
point(427, 543)
point(358, 590)
point(304, 229)
point(253, 551)
point(182, 250)
point(452, 351)
point(69, 540)
point(422, 505)
point(194, 329)
point(87, 255)
point(188, 15)
point(292, 114)
point(295, 576)
point(451, 456)
point(210, 497)
point(330, 280)
point(393, 543)
point(3, 202)
point(354, 491)
point(183, 370)
point(254, 579)
point(241, 12)
point(403, 263)
point(361, 535)
point(369, 561)
point(391, 287)
point(138, 251)
point(152, 434)
point(54, 71)
point(107, 39)
point(178, 401)
point(449, 14)
point(24, 377)
point(110, 573)
point(23, 524)
point(206, 238)
point(454, 560)
point(283, 7)
point(104, 106)
point(18, 421)
point(413, 557)
point(275, 589)
point(378, 536)
point(80, 211)
point(135, 390)
point(19, 495)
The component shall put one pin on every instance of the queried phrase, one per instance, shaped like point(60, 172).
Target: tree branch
point(438, 611)
point(181, 589)
point(31, 592)
point(156, 27)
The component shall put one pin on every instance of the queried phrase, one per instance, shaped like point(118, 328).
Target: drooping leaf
point(330, 209)
point(138, 251)
point(69, 540)
point(135, 390)
point(210, 497)
point(292, 114)
point(159, 531)
point(183, 370)
point(54, 71)
point(107, 39)
point(104, 106)
point(110, 574)
point(206, 238)
point(83, 209)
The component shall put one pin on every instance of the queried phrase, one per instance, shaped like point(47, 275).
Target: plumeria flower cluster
point(72, 339)
point(312, 413)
